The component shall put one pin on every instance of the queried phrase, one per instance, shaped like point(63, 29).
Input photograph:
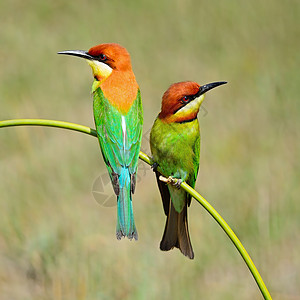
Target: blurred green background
point(57, 242)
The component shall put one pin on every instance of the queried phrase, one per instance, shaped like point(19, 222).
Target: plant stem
point(48, 123)
point(185, 186)
point(237, 243)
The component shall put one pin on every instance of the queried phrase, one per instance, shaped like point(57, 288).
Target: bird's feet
point(177, 184)
point(174, 181)
point(154, 166)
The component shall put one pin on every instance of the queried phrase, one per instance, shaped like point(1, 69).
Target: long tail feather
point(125, 222)
point(176, 232)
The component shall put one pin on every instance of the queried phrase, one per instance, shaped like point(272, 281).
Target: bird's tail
point(125, 221)
point(176, 232)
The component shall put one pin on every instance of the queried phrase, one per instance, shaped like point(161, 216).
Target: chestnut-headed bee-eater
point(118, 115)
point(175, 148)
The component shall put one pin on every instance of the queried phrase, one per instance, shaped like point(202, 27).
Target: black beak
point(206, 87)
point(79, 53)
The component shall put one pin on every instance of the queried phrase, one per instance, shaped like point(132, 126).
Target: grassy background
point(57, 242)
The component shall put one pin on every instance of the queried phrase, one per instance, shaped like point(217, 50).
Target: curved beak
point(206, 87)
point(79, 53)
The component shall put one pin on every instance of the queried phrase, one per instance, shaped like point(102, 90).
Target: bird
point(118, 116)
point(175, 149)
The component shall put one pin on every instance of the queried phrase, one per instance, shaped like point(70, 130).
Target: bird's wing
point(164, 192)
point(193, 176)
point(119, 136)
point(134, 126)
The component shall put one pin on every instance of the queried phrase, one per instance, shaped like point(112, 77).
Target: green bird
point(118, 118)
point(175, 147)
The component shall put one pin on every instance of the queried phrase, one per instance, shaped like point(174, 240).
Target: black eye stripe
point(185, 99)
point(102, 57)
point(188, 98)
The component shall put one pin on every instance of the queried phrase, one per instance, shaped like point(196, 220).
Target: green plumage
point(176, 149)
point(118, 123)
point(120, 140)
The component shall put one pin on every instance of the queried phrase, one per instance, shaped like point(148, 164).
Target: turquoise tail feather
point(125, 222)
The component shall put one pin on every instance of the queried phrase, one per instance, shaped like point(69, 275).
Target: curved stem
point(237, 243)
point(185, 186)
point(48, 123)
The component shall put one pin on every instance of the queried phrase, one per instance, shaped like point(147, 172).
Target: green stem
point(237, 243)
point(48, 123)
point(185, 186)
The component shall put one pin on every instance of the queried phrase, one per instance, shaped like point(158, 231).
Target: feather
point(119, 137)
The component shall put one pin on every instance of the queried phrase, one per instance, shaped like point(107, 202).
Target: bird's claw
point(154, 166)
point(174, 181)
point(177, 184)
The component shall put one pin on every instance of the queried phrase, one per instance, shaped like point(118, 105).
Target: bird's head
point(104, 59)
point(182, 101)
